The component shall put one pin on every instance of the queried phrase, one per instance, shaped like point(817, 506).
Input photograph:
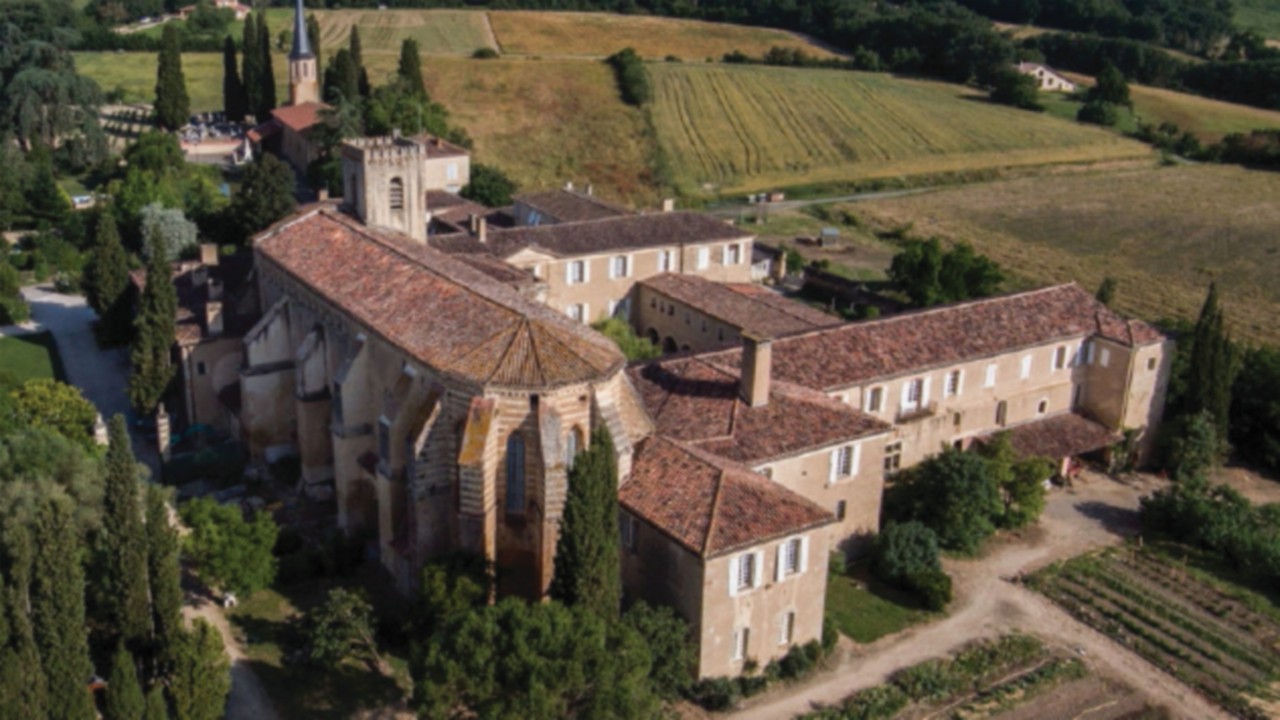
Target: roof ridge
point(715, 513)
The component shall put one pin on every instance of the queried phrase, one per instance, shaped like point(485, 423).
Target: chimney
point(668, 205)
point(757, 364)
point(569, 186)
point(213, 318)
point(473, 221)
point(208, 254)
point(395, 133)
point(591, 190)
point(482, 230)
point(322, 195)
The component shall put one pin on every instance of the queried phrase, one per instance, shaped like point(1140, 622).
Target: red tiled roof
point(709, 505)
point(693, 401)
point(1060, 436)
point(435, 308)
point(299, 117)
point(858, 352)
point(567, 206)
point(753, 308)
point(629, 232)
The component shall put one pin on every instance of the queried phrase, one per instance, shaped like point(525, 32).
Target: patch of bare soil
point(1090, 698)
point(1253, 485)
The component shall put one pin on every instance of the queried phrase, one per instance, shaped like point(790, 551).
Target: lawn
point(31, 356)
point(1163, 233)
point(1208, 119)
point(739, 128)
point(268, 627)
point(865, 610)
point(601, 34)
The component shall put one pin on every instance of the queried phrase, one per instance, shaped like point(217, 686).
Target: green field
point(1261, 16)
point(30, 356)
point(135, 74)
point(733, 128)
point(1164, 233)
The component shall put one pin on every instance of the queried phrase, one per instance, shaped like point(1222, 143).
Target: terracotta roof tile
point(1060, 436)
point(630, 232)
point(753, 308)
point(709, 505)
point(567, 206)
point(695, 402)
point(855, 353)
point(435, 308)
point(299, 117)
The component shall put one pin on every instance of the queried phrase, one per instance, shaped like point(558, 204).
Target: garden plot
point(1205, 638)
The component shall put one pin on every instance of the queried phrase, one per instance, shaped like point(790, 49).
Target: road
point(1095, 515)
point(102, 375)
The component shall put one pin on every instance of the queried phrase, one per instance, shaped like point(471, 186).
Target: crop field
point(1163, 233)
point(734, 128)
point(1193, 631)
point(600, 34)
point(135, 75)
point(446, 32)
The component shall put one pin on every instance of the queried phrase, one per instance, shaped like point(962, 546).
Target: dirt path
point(1097, 514)
point(248, 700)
point(490, 36)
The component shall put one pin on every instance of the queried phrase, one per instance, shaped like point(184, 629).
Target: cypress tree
point(357, 59)
point(268, 78)
point(107, 278)
point(24, 690)
point(201, 676)
point(313, 34)
point(1107, 291)
point(173, 106)
point(1212, 367)
point(163, 571)
point(341, 80)
point(251, 71)
point(157, 709)
point(124, 699)
point(45, 198)
point(587, 564)
point(153, 332)
point(57, 612)
point(410, 69)
point(233, 98)
point(128, 611)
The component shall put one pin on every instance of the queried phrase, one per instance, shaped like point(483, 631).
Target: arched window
point(572, 445)
point(397, 194)
point(515, 473)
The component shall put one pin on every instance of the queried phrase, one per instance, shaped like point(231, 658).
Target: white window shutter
point(586, 271)
point(835, 467)
point(733, 576)
point(804, 553)
point(857, 459)
point(612, 273)
point(757, 578)
point(1105, 359)
point(906, 394)
point(586, 314)
point(924, 393)
point(1089, 353)
point(782, 559)
point(959, 381)
point(568, 272)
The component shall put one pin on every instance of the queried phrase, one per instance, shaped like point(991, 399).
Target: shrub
point(720, 693)
point(1098, 113)
point(929, 680)
point(750, 685)
point(903, 550)
point(830, 636)
point(933, 587)
point(633, 79)
point(484, 53)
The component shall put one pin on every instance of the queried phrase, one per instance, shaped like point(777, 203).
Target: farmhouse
point(1049, 79)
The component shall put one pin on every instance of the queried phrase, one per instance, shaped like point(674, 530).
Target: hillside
point(738, 128)
point(1261, 16)
point(1164, 233)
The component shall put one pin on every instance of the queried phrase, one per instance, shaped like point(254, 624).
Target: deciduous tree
point(58, 407)
point(953, 494)
point(229, 551)
point(1255, 409)
point(340, 626)
point(1011, 87)
point(265, 196)
point(489, 186)
point(588, 573)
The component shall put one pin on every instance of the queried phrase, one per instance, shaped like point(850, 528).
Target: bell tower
point(304, 79)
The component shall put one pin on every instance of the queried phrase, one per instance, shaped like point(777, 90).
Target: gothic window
point(397, 194)
point(515, 474)
point(571, 446)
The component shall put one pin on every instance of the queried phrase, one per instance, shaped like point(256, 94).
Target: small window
point(200, 368)
point(720, 333)
point(1042, 407)
point(570, 449)
point(893, 456)
point(844, 461)
point(384, 440)
point(746, 571)
point(653, 303)
point(1104, 357)
point(953, 383)
point(732, 254)
point(875, 399)
point(515, 474)
point(915, 392)
point(1026, 367)
point(841, 509)
point(666, 261)
point(578, 312)
point(619, 267)
point(791, 557)
point(786, 628)
point(627, 526)
point(397, 194)
point(1151, 364)
point(671, 310)
point(335, 404)
point(451, 171)
point(704, 258)
point(1002, 413)
point(740, 640)
point(990, 380)
point(1060, 358)
point(577, 272)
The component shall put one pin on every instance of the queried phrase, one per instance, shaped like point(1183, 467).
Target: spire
point(301, 43)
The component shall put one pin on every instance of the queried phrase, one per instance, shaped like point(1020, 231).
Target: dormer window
point(397, 194)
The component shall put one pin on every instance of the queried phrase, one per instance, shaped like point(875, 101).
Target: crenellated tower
point(304, 79)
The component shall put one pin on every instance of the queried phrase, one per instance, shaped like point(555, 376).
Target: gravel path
point(248, 699)
point(1096, 514)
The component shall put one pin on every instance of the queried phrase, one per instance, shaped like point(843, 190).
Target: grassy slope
point(601, 34)
point(1163, 233)
point(744, 128)
point(135, 73)
point(1262, 16)
point(30, 356)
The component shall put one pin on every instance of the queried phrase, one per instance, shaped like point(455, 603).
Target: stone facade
point(386, 179)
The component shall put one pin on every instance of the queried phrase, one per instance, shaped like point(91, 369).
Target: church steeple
point(304, 78)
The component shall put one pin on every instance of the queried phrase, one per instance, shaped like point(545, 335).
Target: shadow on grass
point(866, 609)
point(303, 691)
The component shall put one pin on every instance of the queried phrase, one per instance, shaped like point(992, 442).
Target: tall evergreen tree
point(57, 611)
point(153, 332)
point(45, 198)
point(173, 105)
point(265, 196)
point(341, 79)
point(107, 278)
point(201, 676)
point(157, 706)
point(124, 699)
point(24, 690)
point(163, 571)
point(587, 564)
point(1107, 290)
point(1212, 367)
point(357, 59)
point(267, 102)
point(409, 70)
point(251, 66)
point(128, 612)
point(313, 34)
point(234, 103)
